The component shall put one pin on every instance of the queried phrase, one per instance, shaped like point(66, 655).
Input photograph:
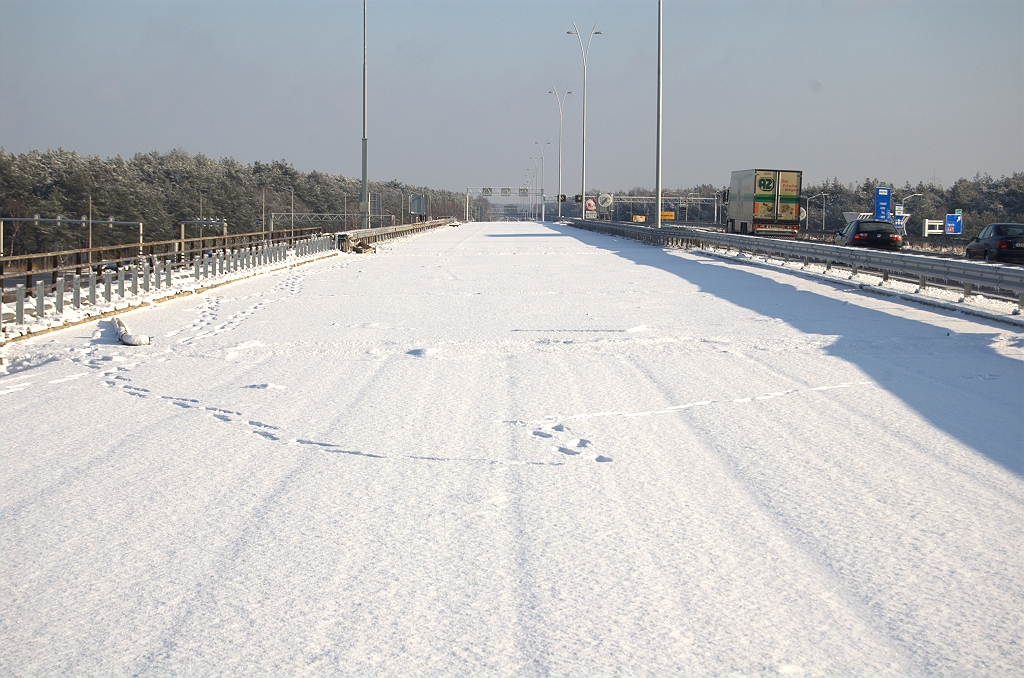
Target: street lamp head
point(570, 32)
point(598, 33)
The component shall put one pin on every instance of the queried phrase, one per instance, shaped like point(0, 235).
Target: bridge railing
point(920, 268)
point(347, 240)
point(110, 289)
point(48, 266)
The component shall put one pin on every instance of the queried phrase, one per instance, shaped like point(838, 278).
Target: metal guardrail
point(913, 266)
point(180, 251)
point(100, 293)
point(348, 239)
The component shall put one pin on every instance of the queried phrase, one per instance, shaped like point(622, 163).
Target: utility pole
point(657, 180)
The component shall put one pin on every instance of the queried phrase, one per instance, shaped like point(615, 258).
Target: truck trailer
point(764, 202)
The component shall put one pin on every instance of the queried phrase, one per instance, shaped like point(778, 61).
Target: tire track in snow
point(837, 595)
point(878, 599)
point(208, 585)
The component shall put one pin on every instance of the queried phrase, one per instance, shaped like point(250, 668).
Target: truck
point(764, 202)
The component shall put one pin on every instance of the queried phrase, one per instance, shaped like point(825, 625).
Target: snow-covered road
point(516, 449)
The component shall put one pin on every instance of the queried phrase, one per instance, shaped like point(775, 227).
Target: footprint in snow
point(421, 352)
point(263, 386)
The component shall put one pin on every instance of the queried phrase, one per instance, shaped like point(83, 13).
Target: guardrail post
point(145, 276)
point(196, 264)
point(107, 276)
point(922, 283)
point(135, 280)
point(120, 281)
point(92, 288)
point(169, 272)
point(58, 295)
point(853, 269)
point(19, 305)
point(40, 298)
point(1020, 300)
point(156, 274)
point(828, 265)
point(76, 291)
point(885, 275)
point(967, 289)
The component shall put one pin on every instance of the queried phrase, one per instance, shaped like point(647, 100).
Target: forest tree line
point(163, 189)
point(984, 200)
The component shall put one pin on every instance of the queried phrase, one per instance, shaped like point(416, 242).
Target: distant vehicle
point(870, 233)
point(764, 202)
point(998, 242)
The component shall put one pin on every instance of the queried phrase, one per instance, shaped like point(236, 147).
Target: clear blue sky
point(897, 90)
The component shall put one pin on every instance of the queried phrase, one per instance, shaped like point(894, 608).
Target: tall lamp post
point(546, 143)
point(364, 196)
point(657, 180)
point(585, 50)
point(823, 196)
point(554, 90)
point(903, 204)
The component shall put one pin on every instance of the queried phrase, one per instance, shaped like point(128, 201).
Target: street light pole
point(546, 143)
point(906, 198)
point(585, 51)
point(657, 180)
point(823, 196)
point(364, 196)
point(554, 90)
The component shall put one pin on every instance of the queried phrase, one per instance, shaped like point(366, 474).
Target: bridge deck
point(516, 449)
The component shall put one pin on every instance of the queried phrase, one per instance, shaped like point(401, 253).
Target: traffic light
point(579, 198)
point(561, 197)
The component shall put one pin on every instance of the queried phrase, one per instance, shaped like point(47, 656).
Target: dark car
point(998, 242)
point(870, 233)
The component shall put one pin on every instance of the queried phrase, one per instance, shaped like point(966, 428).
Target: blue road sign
point(954, 224)
point(883, 199)
point(900, 222)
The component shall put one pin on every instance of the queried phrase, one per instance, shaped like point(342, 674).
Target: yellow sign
point(668, 216)
point(639, 218)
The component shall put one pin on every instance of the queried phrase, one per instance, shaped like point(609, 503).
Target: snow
point(517, 449)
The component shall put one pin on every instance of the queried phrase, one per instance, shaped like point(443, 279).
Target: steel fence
point(921, 268)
